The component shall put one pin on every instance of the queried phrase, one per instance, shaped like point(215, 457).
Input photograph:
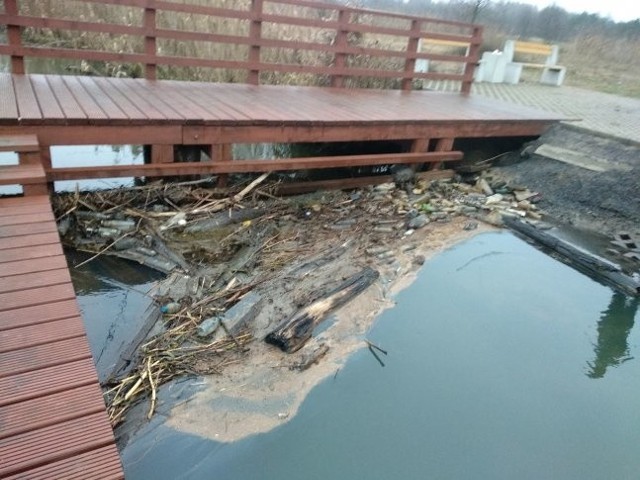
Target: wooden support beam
point(222, 152)
point(442, 145)
point(194, 134)
point(162, 154)
point(247, 166)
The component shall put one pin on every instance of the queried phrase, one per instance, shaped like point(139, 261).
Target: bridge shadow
point(614, 327)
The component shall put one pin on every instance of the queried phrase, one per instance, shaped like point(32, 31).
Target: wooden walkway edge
point(53, 421)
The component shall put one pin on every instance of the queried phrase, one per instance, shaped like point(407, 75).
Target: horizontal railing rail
point(343, 46)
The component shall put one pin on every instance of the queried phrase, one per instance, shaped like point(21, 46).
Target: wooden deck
point(53, 423)
point(70, 110)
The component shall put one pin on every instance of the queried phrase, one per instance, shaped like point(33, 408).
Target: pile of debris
point(233, 259)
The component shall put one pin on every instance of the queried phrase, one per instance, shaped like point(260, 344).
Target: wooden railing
point(339, 46)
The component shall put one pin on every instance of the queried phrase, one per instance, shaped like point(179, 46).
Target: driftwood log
point(292, 333)
point(597, 268)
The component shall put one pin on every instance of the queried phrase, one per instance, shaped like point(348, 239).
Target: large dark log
point(292, 333)
point(598, 268)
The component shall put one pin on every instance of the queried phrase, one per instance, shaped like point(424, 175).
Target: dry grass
point(603, 64)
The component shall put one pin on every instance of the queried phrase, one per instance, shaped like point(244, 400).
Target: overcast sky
point(618, 10)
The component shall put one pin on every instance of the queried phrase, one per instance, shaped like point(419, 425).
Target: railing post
point(472, 60)
point(255, 34)
point(14, 37)
point(150, 42)
point(341, 42)
point(412, 48)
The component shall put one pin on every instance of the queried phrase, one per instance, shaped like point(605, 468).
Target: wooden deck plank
point(46, 381)
point(22, 209)
point(39, 314)
point(142, 90)
point(19, 418)
point(70, 106)
point(42, 333)
point(34, 265)
point(6, 202)
point(127, 100)
point(29, 240)
point(222, 104)
point(53, 421)
point(102, 99)
point(19, 143)
point(88, 104)
point(26, 253)
point(8, 105)
point(102, 463)
point(16, 283)
point(28, 108)
point(190, 109)
point(35, 296)
point(41, 356)
point(54, 443)
point(117, 97)
point(15, 231)
point(43, 215)
point(46, 99)
point(137, 98)
point(22, 174)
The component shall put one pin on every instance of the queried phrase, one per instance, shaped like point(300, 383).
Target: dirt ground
point(605, 202)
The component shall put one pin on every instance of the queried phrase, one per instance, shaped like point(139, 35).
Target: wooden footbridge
point(52, 418)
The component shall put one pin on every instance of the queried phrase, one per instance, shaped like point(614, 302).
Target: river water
point(502, 363)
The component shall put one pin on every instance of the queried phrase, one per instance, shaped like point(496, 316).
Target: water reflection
point(614, 327)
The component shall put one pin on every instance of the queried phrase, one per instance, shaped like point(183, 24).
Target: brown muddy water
point(503, 363)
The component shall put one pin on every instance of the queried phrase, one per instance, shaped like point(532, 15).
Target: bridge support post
point(222, 152)
point(442, 145)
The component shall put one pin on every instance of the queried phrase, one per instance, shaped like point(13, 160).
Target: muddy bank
point(599, 192)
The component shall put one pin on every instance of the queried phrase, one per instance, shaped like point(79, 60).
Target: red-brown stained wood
point(42, 333)
point(46, 99)
point(53, 422)
point(39, 314)
point(132, 112)
point(70, 106)
point(8, 105)
point(30, 252)
point(28, 108)
point(46, 381)
point(18, 143)
point(89, 105)
point(21, 174)
point(50, 409)
point(35, 296)
point(153, 170)
point(27, 229)
point(101, 463)
point(35, 239)
point(20, 267)
point(33, 449)
point(50, 354)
